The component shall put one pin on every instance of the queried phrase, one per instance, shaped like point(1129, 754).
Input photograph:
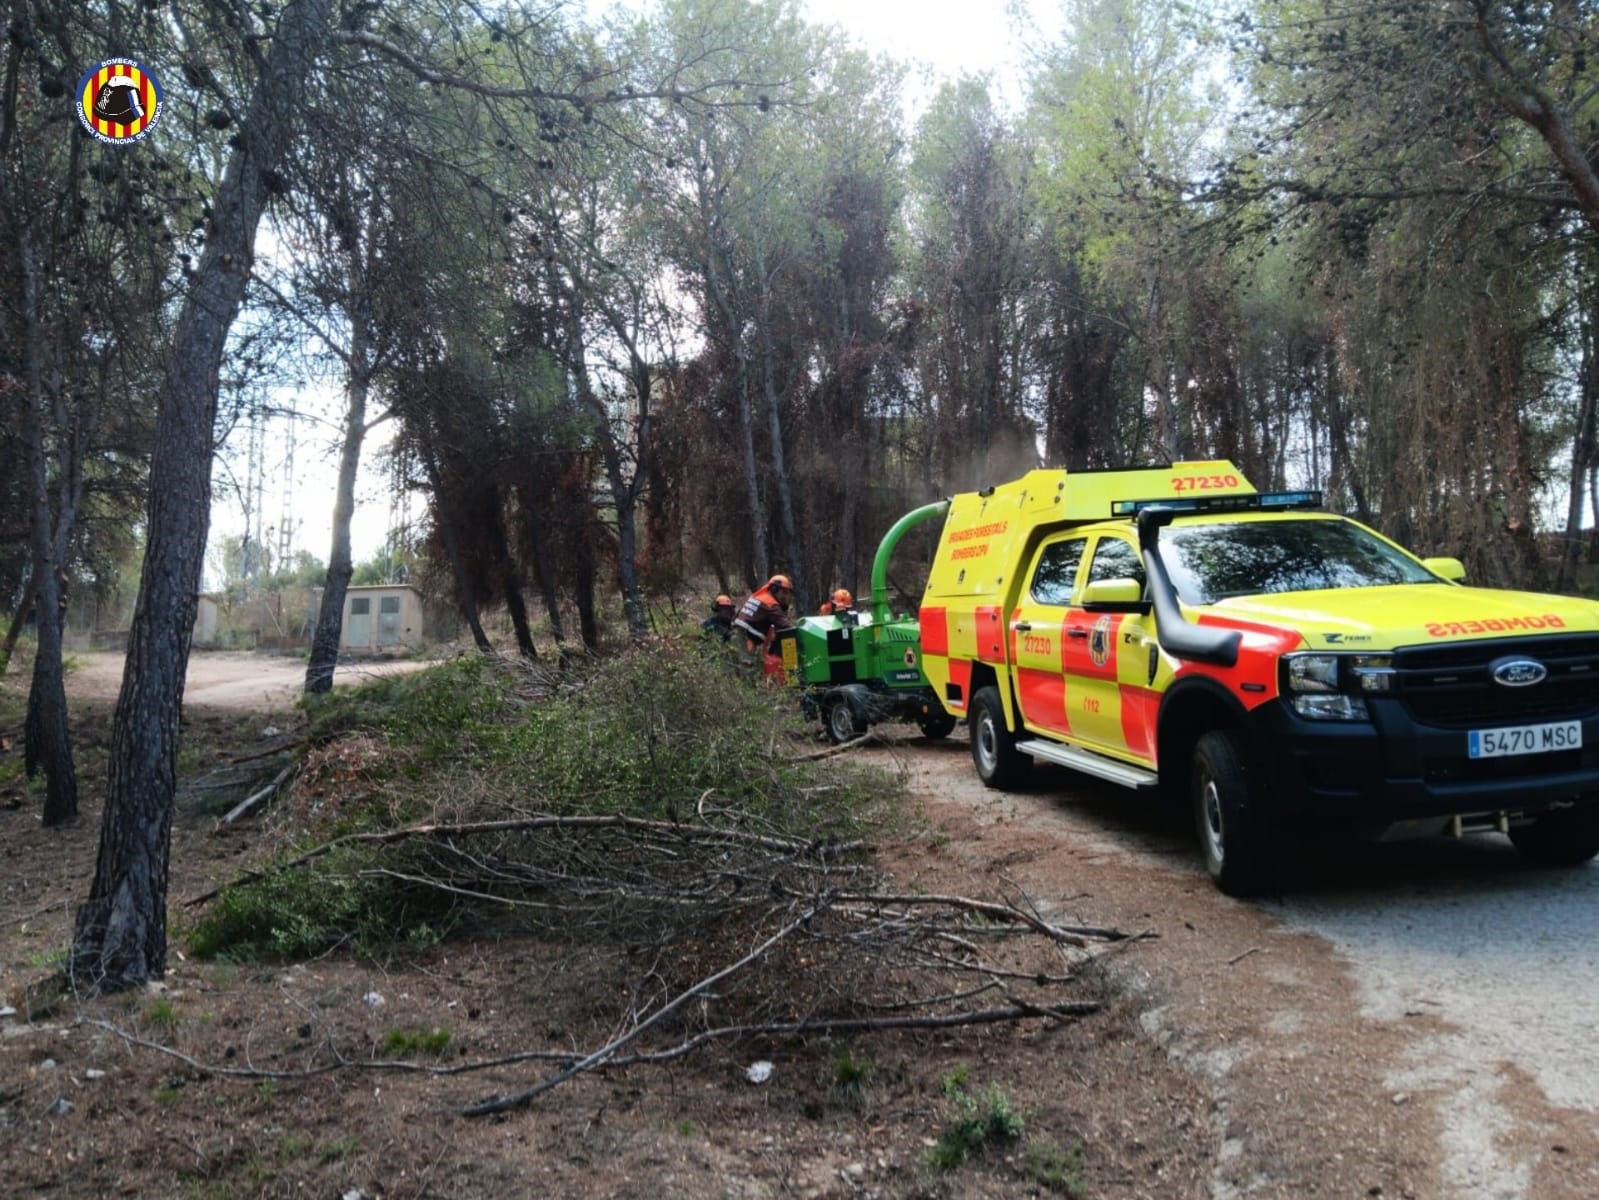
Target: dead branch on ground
point(830, 968)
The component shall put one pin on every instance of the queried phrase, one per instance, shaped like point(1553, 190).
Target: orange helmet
point(780, 581)
point(842, 598)
point(722, 601)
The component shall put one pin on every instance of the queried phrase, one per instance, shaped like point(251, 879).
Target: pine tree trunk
point(466, 594)
point(587, 620)
point(329, 633)
point(47, 737)
point(542, 572)
point(511, 586)
point(120, 940)
point(18, 620)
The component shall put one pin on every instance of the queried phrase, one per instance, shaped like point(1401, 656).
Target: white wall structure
point(381, 616)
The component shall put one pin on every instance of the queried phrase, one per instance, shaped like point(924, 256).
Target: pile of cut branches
point(748, 909)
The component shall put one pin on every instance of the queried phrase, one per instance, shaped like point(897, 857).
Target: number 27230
point(1202, 483)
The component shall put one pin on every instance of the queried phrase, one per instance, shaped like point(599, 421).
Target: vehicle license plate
point(1524, 739)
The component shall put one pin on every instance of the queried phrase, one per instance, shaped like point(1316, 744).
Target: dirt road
point(1417, 1021)
point(248, 682)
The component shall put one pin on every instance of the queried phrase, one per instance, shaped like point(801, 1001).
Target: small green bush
point(160, 1016)
point(849, 1078)
point(980, 1121)
point(1059, 1170)
point(403, 1043)
point(339, 1148)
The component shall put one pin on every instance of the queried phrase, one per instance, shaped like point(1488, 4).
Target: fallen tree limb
point(1071, 935)
point(531, 824)
point(249, 802)
point(498, 1104)
point(278, 748)
point(65, 902)
point(829, 751)
point(820, 1025)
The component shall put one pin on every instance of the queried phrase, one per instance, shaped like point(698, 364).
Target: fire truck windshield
point(1210, 562)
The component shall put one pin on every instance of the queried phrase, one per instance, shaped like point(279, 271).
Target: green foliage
point(52, 959)
point(338, 1149)
point(160, 1017)
point(1059, 1170)
point(849, 1077)
point(295, 914)
point(387, 565)
point(658, 733)
point(439, 712)
point(647, 734)
point(980, 1121)
point(650, 733)
point(237, 568)
point(404, 1043)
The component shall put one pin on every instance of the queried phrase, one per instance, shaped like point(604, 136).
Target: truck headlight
point(1373, 672)
point(1313, 685)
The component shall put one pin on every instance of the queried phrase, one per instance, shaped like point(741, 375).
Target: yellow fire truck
point(1279, 666)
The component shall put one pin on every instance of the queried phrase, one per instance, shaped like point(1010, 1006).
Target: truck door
point(1102, 650)
point(1036, 634)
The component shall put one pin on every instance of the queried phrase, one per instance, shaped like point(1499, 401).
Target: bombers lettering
point(979, 531)
point(1494, 625)
point(969, 551)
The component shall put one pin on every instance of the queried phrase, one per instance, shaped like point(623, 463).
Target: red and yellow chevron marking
point(119, 130)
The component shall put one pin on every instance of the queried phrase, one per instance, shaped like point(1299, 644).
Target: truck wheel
point(1237, 834)
point(999, 763)
point(1561, 837)
point(936, 725)
point(844, 724)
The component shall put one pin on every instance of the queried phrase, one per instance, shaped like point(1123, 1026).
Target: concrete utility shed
point(381, 616)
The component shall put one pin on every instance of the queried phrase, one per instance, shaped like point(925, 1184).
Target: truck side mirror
point(1451, 569)
point(1114, 595)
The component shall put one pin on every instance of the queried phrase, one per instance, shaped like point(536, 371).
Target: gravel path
point(1506, 957)
point(1447, 1026)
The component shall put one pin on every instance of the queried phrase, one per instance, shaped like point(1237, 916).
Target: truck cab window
point(1056, 574)
point(1115, 558)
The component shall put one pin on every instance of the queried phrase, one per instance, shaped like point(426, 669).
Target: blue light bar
point(1290, 499)
point(1207, 504)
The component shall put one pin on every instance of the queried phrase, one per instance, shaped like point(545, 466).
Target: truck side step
point(1090, 763)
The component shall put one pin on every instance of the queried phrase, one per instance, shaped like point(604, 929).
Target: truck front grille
point(1451, 686)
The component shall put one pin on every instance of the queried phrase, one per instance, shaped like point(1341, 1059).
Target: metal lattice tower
point(251, 566)
point(286, 521)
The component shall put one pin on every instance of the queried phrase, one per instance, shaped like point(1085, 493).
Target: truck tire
point(843, 722)
point(936, 725)
point(999, 764)
point(1238, 835)
point(1561, 837)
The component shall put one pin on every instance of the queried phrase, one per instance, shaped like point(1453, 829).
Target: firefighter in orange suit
point(764, 613)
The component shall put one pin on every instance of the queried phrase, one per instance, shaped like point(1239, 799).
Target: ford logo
point(1518, 672)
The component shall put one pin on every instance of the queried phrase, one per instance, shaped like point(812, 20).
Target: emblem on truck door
point(1517, 672)
point(1099, 642)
